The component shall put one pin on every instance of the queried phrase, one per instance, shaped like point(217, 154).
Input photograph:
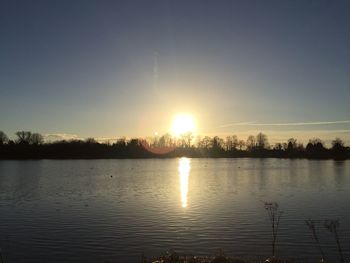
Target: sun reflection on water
point(184, 172)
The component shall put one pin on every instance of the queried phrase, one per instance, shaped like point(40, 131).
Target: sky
point(107, 69)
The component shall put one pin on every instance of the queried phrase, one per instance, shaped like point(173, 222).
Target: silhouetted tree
point(315, 148)
point(161, 142)
point(199, 141)
point(317, 143)
point(164, 141)
point(181, 141)
point(241, 144)
point(90, 140)
point(206, 142)
point(231, 143)
point(217, 147)
point(3, 138)
point(134, 143)
point(251, 143)
point(36, 139)
point(156, 140)
point(284, 146)
point(234, 142)
point(169, 140)
point(291, 147)
point(300, 147)
point(217, 143)
point(186, 139)
point(121, 142)
point(23, 137)
point(292, 144)
point(261, 141)
point(278, 147)
point(337, 143)
point(309, 146)
point(338, 149)
point(228, 143)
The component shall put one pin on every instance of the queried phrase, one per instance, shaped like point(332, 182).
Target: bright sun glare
point(182, 124)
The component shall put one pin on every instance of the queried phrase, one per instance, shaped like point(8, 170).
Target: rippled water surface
point(115, 210)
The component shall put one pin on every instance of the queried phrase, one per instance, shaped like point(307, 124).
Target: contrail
point(155, 71)
point(284, 124)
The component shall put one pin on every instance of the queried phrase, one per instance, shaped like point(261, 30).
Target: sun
point(182, 124)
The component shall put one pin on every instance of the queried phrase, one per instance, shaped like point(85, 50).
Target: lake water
point(115, 210)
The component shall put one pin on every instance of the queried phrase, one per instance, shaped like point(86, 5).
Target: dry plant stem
point(311, 224)
point(332, 226)
point(274, 216)
point(338, 244)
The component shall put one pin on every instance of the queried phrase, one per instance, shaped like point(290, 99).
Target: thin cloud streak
point(285, 124)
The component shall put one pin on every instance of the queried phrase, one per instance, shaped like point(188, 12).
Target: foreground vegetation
point(274, 215)
point(29, 145)
point(173, 257)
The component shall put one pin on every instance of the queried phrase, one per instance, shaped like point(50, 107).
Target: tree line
point(28, 145)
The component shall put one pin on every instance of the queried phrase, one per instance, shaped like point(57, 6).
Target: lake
point(117, 210)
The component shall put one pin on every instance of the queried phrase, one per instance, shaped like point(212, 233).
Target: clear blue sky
point(114, 68)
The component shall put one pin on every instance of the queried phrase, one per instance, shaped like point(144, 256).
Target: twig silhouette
point(312, 224)
point(332, 226)
point(274, 215)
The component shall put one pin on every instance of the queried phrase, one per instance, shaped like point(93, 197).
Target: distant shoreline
point(100, 151)
point(32, 146)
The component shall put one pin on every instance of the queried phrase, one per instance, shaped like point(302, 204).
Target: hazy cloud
point(68, 136)
point(60, 136)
